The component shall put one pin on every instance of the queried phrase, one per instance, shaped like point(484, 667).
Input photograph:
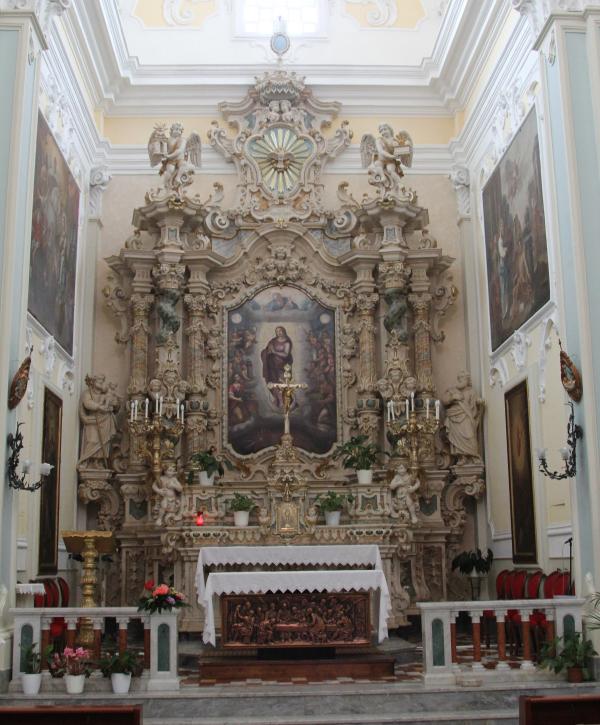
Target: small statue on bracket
point(404, 487)
point(464, 410)
point(97, 409)
point(384, 156)
point(169, 488)
point(177, 155)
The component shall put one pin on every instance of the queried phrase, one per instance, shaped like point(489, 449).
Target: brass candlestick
point(161, 435)
point(88, 544)
point(414, 437)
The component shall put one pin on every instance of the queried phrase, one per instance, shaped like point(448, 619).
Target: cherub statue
point(404, 487)
point(177, 155)
point(169, 488)
point(384, 156)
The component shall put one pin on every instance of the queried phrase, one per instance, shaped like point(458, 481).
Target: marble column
point(196, 331)
point(22, 38)
point(421, 305)
point(140, 308)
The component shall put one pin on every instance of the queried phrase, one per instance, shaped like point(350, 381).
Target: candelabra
point(19, 483)
point(569, 454)
point(414, 431)
point(160, 430)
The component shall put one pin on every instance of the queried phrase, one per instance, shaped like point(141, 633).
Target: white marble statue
point(404, 487)
point(169, 489)
point(384, 157)
point(97, 408)
point(177, 155)
point(464, 409)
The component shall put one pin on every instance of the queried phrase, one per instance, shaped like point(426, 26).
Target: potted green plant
point(330, 505)
point(241, 505)
point(31, 662)
point(208, 465)
point(569, 652)
point(359, 454)
point(474, 565)
point(120, 667)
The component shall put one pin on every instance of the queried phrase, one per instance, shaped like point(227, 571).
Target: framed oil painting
point(515, 235)
point(54, 226)
point(279, 326)
point(520, 475)
point(50, 491)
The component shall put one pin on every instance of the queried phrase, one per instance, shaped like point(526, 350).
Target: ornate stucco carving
point(461, 181)
point(538, 11)
point(99, 179)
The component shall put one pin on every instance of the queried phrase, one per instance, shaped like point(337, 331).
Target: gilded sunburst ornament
point(280, 154)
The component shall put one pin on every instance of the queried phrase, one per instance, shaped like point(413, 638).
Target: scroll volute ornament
point(570, 376)
point(18, 384)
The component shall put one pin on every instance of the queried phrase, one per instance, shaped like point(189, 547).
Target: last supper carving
point(214, 300)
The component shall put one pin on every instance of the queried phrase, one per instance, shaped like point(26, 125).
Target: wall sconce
point(19, 483)
point(569, 454)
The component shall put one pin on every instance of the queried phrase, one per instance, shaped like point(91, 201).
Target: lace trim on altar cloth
point(257, 582)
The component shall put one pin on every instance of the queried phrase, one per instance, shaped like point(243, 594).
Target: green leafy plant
point(567, 652)
point(357, 453)
point(241, 502)
point(468, 561)
point(124, 663)
point(332, 501)
point(32, 660)
point(209, 462)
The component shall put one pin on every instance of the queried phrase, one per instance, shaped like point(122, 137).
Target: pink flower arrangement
point(161, 597)
point(70, 662)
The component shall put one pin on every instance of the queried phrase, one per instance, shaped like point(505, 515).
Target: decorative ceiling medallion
point(281, 155)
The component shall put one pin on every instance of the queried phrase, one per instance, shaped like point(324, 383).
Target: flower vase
point(74, 684)
point(120, 682)
point(332, 518)
point(240, 518)
point(31, 683)
point(365, 476)
point(206, 480)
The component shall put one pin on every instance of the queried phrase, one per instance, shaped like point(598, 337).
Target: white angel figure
point(384, 157)
point(177, 155)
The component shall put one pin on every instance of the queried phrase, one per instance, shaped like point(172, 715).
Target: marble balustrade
point(441, 664)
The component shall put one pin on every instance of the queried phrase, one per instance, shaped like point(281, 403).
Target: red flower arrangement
point(70, 662)
point(159, 598)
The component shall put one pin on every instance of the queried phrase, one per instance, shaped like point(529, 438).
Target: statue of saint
point(97, 408)
point(169, 488)
point(463, 416)
point(404, 486)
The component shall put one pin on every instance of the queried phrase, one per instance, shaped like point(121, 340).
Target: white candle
point(412, 401)
point(564, 453)
point(427, 408)
point(146, 404)
point(135, 410)
point(177, 407)
point(131, 413)
point(182, 411)
point(406, 408)
point(160, 405)
point(541, 454)
point(437, 409)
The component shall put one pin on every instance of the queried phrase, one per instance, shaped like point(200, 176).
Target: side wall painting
point(522, 504)
point(281, 325)
point(50, 491)
point(515, 235)
point(54, 229)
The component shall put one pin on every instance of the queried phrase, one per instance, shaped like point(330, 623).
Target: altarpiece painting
point(522, 505)
point(279, 326)
point(50, 491)
point(54, 227)
point(515, 235)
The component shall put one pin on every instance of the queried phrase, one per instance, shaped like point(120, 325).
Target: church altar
point(267, 330)
point(368, 578)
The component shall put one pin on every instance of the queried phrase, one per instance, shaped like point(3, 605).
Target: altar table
point(263, 582)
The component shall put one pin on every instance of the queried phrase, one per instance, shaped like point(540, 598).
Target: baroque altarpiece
point(214, 302)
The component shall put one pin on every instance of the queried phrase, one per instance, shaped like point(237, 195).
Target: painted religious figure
point(281, 326)
point(50, 491)
point(515, 235)
point(54, 229)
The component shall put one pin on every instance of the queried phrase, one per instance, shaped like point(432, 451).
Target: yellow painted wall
point(409, 13)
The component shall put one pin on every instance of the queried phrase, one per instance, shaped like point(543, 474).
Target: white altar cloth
point(337, 555)
point(261, 582)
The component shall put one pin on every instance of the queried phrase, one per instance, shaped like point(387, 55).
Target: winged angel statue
point(384, 156)
point(177, 155)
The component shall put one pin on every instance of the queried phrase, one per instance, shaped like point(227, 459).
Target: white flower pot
point(365, 476)
point(206, 480)
point(74, 684)
point(31, 683)
point(332, 518)
point(120, 682)
point(240, 518)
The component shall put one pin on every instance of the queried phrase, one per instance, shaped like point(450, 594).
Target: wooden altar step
point(296, 665)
